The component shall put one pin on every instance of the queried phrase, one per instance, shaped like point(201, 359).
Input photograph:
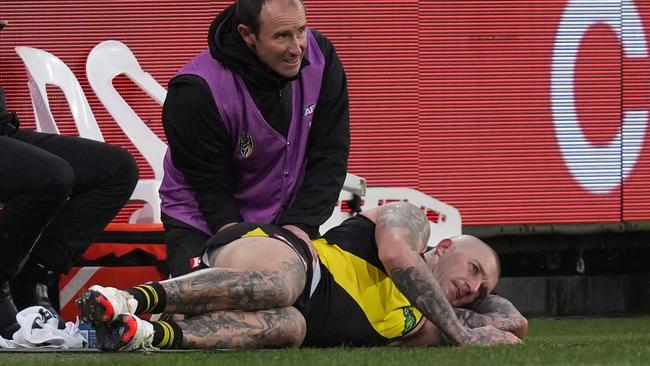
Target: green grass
point(610, 341)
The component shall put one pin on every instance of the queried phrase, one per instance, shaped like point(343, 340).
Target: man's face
point(466, 270)
point(282, 38)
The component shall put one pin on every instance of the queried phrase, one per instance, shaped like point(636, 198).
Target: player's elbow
point(392, 256)
point(521, 327)
point(293, 329)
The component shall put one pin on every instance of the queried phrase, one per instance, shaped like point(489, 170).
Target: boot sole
point(94, 308)
point(115, 335)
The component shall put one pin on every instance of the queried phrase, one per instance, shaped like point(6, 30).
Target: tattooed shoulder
point(408, 218)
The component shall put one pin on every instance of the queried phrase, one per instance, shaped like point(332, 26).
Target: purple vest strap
point(268, 168)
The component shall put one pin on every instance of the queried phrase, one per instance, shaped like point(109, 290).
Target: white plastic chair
point(355, 184)
point(447, 225)
point(44, 68)
point(106, 61)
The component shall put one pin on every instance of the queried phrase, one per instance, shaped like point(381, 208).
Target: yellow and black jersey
point(355, 303)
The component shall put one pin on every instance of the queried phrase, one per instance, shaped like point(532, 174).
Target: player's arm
point(401, 234)
point(425, 336)
point(327, 152)
point(496, 311)
point(492, 310)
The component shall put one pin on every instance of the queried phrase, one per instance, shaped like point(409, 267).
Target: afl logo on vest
point(309, 110)
point(246, 145)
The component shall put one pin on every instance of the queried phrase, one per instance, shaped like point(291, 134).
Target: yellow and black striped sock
point(166, 334)
point(151, 297)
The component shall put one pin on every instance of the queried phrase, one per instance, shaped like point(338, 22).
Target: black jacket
point(202, 150)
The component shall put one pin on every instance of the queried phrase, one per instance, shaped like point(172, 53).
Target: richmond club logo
point(246, 145)
point(409, 320)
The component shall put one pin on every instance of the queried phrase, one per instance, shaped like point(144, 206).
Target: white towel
point(39, 329)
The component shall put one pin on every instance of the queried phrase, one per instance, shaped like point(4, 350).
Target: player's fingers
point(511, 338)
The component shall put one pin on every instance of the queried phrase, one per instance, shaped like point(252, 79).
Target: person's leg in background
point(104, 179)
point(34, 187)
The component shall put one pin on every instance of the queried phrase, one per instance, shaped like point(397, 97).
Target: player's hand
point(489, 336)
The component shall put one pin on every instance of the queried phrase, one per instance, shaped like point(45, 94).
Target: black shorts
point(185, 246)
point(239, 230)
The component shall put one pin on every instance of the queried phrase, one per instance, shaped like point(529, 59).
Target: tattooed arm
point(492, 310)
point(401, 234)
point(496, 311)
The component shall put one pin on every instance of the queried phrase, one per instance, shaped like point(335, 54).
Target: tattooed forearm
point(470, 319)
point(407, 219)
point(279, 327)
point(429, 298)
point(426, 294)
point(214, 289)
point(496, 311)
point(507, 322)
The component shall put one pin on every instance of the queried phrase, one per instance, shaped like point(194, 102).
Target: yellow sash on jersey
point(387, 309)
point(255, 232)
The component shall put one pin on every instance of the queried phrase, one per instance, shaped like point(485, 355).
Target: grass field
point(610, 341)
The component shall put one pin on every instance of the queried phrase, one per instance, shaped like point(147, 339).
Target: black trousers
point(184, 245)
point(58, 192)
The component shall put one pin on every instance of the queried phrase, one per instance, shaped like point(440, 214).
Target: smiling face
point(282, 37)
point(465, 267)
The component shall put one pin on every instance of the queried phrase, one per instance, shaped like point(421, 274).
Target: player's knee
point(280, 288)
point(282, 294)
point(294, 328)
point(291, 288)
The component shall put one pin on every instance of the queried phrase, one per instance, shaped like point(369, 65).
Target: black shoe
point(125, 333)
point(8, 311)
point(30, 288)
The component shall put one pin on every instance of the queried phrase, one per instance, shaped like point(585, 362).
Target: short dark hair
point(247, 12)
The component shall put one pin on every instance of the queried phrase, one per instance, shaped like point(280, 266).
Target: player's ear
point(443, 246)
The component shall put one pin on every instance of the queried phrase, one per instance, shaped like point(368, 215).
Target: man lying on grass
point(372, 283)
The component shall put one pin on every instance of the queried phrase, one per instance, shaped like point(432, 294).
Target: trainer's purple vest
point(268, 168)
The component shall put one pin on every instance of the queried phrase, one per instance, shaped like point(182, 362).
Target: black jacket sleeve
point(328, 149)
point(200, 148)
